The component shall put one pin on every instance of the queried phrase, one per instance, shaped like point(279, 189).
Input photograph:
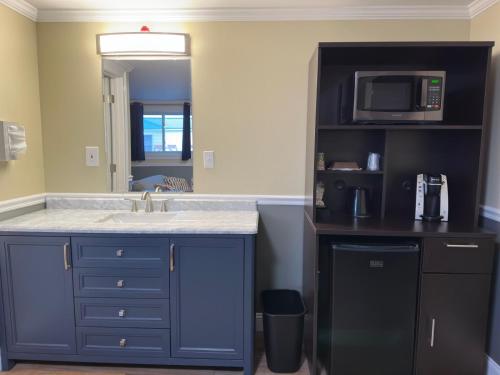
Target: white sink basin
point(139, 218)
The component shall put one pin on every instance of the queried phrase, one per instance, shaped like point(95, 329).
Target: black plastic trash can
point(283, 329)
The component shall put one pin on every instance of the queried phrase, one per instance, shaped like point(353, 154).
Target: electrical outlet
point(208, 159)
point(92, 156)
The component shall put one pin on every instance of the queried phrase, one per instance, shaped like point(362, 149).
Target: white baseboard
point(263, 200)
point(491, 213)
point(493, 367)
point(278, 200)
point(22, 202)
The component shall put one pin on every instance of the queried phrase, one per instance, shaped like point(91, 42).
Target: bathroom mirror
point(148, 125)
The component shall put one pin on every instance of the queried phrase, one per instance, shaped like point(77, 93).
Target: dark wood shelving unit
point(454, 147)
point(340, 172)
point(400, 127)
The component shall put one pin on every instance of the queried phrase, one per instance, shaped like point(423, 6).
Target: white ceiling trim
point(254, 14)
point(22, 7)
point(479, 6)
point(258, 14)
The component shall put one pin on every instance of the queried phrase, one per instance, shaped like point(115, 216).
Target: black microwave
point(398, 96)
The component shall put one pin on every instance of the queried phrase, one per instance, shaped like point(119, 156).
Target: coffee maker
point(431, 198)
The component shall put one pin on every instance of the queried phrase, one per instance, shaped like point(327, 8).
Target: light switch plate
point(208, 159)
point(92, 156)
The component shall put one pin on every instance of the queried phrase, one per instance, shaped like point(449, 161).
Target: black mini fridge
point(372, 313)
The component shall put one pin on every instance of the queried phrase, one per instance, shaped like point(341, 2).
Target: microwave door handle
point(423, 93)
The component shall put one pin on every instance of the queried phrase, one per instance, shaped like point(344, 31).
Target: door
point(374, 308)
point(206, 279)
point(117, 124)
point(38, 294)
point(452, 324)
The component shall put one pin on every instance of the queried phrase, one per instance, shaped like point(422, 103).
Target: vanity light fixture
point(143, 43)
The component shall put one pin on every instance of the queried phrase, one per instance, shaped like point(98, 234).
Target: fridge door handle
point(433, 331)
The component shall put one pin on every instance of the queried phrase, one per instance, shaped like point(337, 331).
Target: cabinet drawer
point(120, 252)
point(121, 283)
point(130, 342)
point(117, 312)
point(458, 255)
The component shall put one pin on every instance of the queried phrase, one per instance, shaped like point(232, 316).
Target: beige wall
point(249, 97)
point(486, 26)
point(20, 102)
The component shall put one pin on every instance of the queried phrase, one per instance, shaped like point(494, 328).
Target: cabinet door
point(207, 277)
point(38, 295)
point(452, 325)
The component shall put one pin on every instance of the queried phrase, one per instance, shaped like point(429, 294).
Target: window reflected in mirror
point(149, 125)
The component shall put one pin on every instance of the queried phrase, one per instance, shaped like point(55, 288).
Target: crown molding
point(479, 6)
point(377, 12)
point(259, 14)
point(22, 7)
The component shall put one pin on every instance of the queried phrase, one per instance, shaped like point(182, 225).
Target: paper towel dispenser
point(12, 141)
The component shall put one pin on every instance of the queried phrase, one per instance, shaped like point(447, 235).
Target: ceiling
point(159, 80)
point(243, 10)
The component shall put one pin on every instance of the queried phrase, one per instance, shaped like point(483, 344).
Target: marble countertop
point(195, 219)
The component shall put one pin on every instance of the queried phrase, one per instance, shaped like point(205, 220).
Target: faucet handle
point(164, 206)
point(134, 206)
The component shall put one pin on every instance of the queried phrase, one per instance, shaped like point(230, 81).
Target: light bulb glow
point(143, 44)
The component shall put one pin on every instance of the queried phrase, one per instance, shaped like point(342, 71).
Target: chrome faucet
point(146, 196)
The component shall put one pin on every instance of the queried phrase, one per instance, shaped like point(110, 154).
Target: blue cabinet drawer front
point(118, 312)
point(121, 283)
point(120, 252)
point(131, 342)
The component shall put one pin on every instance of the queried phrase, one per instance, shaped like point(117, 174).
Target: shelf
point(346, 225)
point(351, 172)
point(399, 127)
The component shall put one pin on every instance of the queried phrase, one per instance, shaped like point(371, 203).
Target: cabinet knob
point(120, 252)
point(120, 283)
point(123, 343)
point(121, 313)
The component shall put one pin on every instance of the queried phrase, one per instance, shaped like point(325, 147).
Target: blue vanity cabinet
point(207, 297)
point(185, 300)
point(38, 294)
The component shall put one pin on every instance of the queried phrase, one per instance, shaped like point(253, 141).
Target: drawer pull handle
point(463, 246)
point(120, 283)
point(121, 313)
point(66, 251)
point(172, 258)
point(123, 343)
point(433, 331)
point(120, 252)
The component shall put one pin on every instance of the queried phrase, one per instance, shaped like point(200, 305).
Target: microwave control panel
point(434, 93)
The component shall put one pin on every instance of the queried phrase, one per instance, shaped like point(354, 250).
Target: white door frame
point(118, 72)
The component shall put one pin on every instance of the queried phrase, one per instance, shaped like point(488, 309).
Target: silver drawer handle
point(121, 313)
point(433, 331)
point(120, 252)
point(463, 246)
point(123, 343)
point(66, 254)
point(172, 257)
point(120, 283)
